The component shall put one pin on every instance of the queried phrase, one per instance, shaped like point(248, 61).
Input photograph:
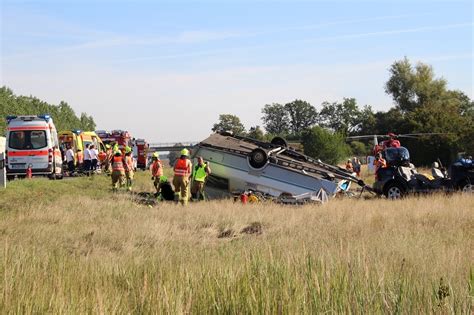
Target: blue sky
point(144, 65)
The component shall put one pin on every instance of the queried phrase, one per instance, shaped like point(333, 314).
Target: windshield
point(397, 154)
point(27, 139)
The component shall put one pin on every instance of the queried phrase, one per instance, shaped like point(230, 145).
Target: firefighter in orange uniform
point(118, 171)
point(128, 167)
point(182, 171)
point(156, 169)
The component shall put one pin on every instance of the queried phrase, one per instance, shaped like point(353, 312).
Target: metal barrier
point(176, 146)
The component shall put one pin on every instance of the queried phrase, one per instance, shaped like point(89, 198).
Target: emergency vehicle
point(32, 143)
point(120, 137)
point(78, 140)
point(141, 153)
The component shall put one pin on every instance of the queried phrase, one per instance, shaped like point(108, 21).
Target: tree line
point(422, 104)
point(63, 115)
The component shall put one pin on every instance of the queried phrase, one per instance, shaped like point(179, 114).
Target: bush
point(325, 145)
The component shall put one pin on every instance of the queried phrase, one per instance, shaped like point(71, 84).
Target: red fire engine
point(120, 137)
point(141, 153)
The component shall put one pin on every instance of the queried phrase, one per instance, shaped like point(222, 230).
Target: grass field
point(74, 247)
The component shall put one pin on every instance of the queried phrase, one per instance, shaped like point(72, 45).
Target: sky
point(165, 70)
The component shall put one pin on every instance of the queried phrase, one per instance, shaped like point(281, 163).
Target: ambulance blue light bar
point(46, 117)
point(11, 117)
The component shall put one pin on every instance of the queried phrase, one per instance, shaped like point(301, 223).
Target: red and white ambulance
point(32, 145)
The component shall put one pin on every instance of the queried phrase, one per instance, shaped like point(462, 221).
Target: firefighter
point(128, 167)
point(182, 172)
point(108, 158)
point(200, 173)
point(118, 171)
point(156, 169)
point(392, 142)
point(166, 191)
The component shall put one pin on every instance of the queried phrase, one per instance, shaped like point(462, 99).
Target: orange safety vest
point(181, 168)
point(80, 157)
point(157, 169)
point(117, 164)
point(102, 156)
point(128, 163)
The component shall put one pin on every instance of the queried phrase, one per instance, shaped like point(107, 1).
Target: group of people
point(185, 175)
point(85, 162)
point(122, 168)
point(354, 165)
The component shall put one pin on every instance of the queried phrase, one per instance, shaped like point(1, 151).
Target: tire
point(279, 141)
point(258, 158)
point(394, 191)
point(467, 187)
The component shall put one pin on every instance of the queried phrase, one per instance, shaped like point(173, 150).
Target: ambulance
point(78, 140)
point(32, 142)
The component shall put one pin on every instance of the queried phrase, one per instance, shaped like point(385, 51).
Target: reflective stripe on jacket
point(117, 164)
point(182, 168)
point(157, 169)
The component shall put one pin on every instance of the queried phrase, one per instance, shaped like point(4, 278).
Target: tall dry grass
point(105, 253)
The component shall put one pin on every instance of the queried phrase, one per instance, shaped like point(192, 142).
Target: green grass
point(72, 246)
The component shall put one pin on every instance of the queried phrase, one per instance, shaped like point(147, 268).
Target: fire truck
point(140, 151)
point(120, 137)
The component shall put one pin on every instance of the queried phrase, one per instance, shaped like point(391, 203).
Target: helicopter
point(392, 141)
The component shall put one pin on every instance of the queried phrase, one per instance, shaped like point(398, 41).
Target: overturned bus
point(243, 164)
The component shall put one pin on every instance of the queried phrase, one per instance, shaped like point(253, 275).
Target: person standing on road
point(87, 160)
point(128, 168)
point(182, 171)
point(156, 169)
point(70, 160)
point(118, 171)
point(200, 173)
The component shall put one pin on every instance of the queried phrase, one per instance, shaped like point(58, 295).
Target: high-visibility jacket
point(128, 163)
point(182, 167)
point(117, 164)
point(156, 169)
point(200, 173)
point(80, 157)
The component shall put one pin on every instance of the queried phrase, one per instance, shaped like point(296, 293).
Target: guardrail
point(171, 146)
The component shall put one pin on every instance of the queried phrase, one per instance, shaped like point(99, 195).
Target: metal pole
point(3, 171)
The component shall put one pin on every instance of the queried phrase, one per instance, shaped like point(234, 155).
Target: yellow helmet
point(185, 152)
point(156, 155)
